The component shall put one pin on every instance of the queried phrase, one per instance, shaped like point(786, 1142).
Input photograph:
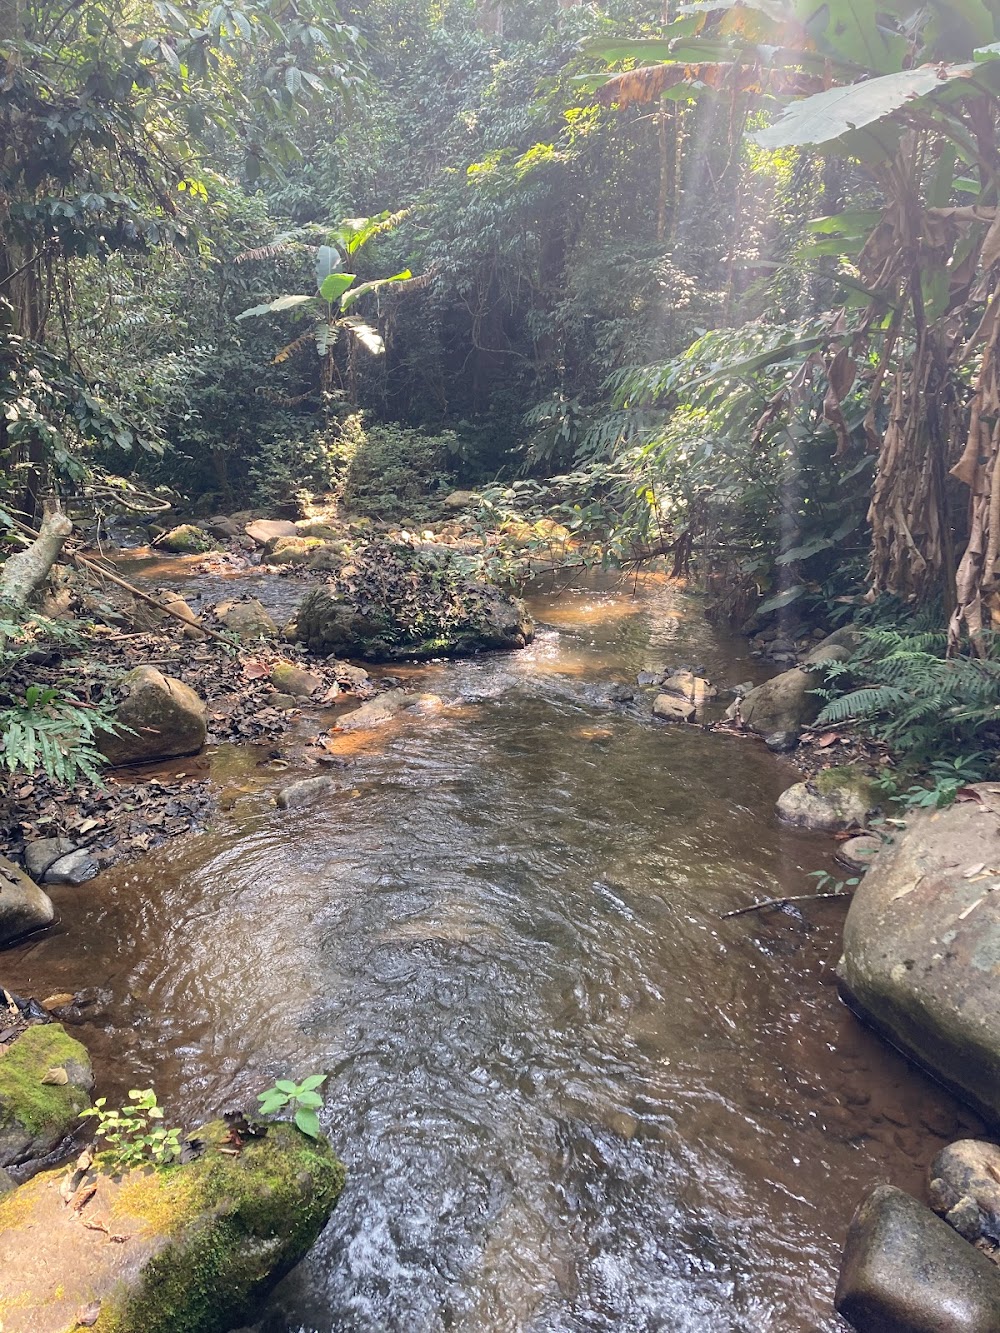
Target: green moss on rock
point(234, 1225)
point(35, 1115)
point(847, 778)
point(186, 540)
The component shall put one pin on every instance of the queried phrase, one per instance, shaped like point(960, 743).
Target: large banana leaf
point(334, 285)
point(827, 116)
point(274, 307)
point(350, 297)
point(327, 261)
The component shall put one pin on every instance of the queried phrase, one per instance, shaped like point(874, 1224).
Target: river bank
point(564, 1087)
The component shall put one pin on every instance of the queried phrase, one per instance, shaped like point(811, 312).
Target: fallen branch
point(82, 562)
point(25, 571)
point(781, 902)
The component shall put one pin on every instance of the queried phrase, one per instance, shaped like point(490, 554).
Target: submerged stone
point(198, 1245)
point(38, 1110)
point(906, 1271)
point(965, 1188)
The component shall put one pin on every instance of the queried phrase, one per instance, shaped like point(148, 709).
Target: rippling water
point(570, 1096)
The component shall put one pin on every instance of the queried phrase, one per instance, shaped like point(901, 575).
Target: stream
point(570, 1096)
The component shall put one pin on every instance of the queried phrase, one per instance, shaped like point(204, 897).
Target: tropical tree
point(908, 92)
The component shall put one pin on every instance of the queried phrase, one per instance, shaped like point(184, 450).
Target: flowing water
point(571, 1097)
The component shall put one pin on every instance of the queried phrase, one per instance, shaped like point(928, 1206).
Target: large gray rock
point(783, 703)
point(39, 855)
point(23, 905)
point(690, 686)
point(671, 708)
point(906, 1271)
point(264, 530)
point(306, 791)
point(922, 946)
point(73, 868)
point(45, 1078)
point(185, 540)
point(247, 620)
point(381, 709)
point(164, 716)
point(964, 1186)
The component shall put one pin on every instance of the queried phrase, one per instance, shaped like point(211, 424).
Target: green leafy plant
point(132, 1133)
point(301, 1099)
point(49, 731)
point(946, 777)
point(826, 883)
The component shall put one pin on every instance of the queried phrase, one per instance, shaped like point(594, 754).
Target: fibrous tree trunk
point(24, 572)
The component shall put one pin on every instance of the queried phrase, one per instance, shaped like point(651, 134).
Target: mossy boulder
point(293, 550)
point(163, 716)
point(288, 678)
point(186, 540)
point(833, 800)
point(37, 1110)
point(196, 1246)
point(247, 620)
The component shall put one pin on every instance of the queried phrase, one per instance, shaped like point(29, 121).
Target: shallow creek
point(570, 1096)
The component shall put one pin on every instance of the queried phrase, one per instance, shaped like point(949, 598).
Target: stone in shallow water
point(23, 905)
point(75, 868)
point(38, 856)
point(906, 1271)
point(965, 1188)
point(671, 708)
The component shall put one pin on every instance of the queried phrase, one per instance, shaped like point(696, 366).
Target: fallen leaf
point(88, 1315)
point(827, 739)
point(972, 907)
point(974, 870)
point(57, 1001)
point(56, 1077)
point(82, 1197)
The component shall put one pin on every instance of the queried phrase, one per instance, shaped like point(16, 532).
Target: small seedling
point(302, 1099)
point(132, 1136)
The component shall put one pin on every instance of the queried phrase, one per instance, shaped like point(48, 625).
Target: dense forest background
point(716, 280)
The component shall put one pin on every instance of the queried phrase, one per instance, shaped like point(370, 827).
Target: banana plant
point(336, 292)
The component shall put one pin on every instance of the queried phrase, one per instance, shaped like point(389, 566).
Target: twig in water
point(780, 902)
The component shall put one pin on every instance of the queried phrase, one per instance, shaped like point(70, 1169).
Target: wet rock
point(247, 620)
point(858, 853)
point(295, 680)
point(286, 702)
point(164, 716)
point(780, 645)
point(837, 798)
point(327, 624)
point(75, 868)
point(425, 704)
point(203, 1242)
point(293, 550)
point(906, 1271)
point(965, 1188)
point(671, 708)
point(188, 539)
point(689, 686)
point(306, 791)
point(351, 677)
point(264, 530)
point(381, 709)
point(38, 1107)
point(922, 945)
point(460, 500)
point(621, 694)
point(649, 677)
point(7, 1182)
point(781, 742)
point(318, 527)
point(23, 905)
point(38, 856)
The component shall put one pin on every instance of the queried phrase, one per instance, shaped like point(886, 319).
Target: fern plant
point(52, 732)
point(903, 690)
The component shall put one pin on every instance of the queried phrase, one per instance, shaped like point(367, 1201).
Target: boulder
point(180, 608)
point(835, 799)
point(264, 530)
point(493, 619)
point(247, 620)
point(689, 686)
point(164, 716)
point(922, 946)
point(39, 1108)
point(381, 709)
point(200, 1243)
point(293, 550)
point(39, 855)
point(965, 1188)
point(23, 905)
point(288, 678)
point(906, 1271)
point(858, 853)
point(781, 742)
point(222, 527)
point(7, 1182)
point(318, 527)
point(835, 647)
point(306, 791)
point(188, 539)
point(74, 868)
point(671, 708)
point(783, 703)
point(460, 500)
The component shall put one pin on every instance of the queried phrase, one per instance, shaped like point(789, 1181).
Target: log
point(25, 571)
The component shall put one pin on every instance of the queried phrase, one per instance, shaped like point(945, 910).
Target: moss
point(844, 777)
point(234, 1226)
point(187, 539)
point(24, 1098)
